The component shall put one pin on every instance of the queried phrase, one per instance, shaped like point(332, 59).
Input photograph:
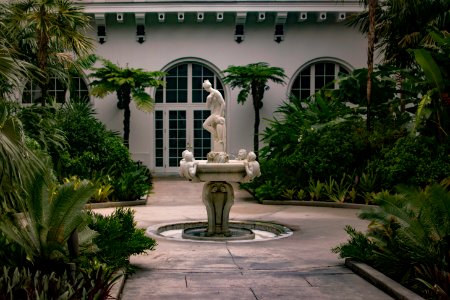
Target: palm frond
point(143, 100)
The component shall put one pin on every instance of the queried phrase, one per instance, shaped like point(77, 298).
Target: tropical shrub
point(413, 160)
point(98, 154)
point(118, 238)
point(132, 184)
point(49, 216)
point(408, 239)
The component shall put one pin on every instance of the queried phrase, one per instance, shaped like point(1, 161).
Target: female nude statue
point(215, 123)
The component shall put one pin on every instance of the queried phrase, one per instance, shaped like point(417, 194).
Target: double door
point(176, 129)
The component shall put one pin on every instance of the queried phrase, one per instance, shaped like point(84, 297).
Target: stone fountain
point(218, 172)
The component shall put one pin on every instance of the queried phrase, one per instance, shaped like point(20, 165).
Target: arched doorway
point(180, 111)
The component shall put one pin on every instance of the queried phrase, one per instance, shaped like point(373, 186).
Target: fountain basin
point(232, 171)
point(260, 231)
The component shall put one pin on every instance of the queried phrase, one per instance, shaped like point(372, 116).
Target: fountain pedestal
point(218, 197)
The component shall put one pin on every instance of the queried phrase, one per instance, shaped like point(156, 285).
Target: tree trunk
point(370, 53)
point(126, 93)
point(257, 95)
point(42, 55)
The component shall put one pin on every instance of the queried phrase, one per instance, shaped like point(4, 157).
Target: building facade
point(196, 40)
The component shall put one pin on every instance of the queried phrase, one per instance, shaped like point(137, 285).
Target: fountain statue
point(217, 171)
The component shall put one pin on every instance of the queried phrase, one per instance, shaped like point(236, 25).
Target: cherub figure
point(251, 167)
point(242, 154)
point(188, 165)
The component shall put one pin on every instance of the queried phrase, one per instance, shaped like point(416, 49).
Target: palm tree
point(370, 49)
point(49, 34)
point(253, 79)
point(129, 84)
point(12, 70)
point(402, 25)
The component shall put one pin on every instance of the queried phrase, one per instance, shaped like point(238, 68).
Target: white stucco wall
point(213, 42)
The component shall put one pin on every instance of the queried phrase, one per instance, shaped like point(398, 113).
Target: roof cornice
point(141, 6)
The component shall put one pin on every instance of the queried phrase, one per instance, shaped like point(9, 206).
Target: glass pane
point(26, 97)
point(171, 83)
point(197, 83)
point(172, 124)
point(182, 83)
point(329, 69)
point(319, 82)
point(319, 69)
point(171, 96)
point(196, 70)
point(304, 94)
point(197, 96)
point(173, 162)
point(159, 95)
point(172, 72)
point(182, 96)
point(208, 73)
point(159, 162)
point(305, 82)
point(182, 70)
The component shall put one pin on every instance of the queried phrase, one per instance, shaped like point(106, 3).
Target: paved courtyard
point(297, 267)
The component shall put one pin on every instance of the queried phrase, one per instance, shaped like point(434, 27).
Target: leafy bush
point(119, 238)
point(96, 153)
point(91, 146)
point(132, 184)
point(408, 239)
point(416, 161)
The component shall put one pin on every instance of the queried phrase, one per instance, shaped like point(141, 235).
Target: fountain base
point(201, 233)
point(243, 231)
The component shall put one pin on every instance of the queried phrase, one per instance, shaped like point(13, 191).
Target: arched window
point(184, 84)
point(57, 90)
point(315, 76)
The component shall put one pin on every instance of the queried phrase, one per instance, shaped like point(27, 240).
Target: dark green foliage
point(311, 141)
point(408, 238)
point(21, 283)
point(358, 246)
point(94, 152)
point(119, 238)
point(51, 214)
point(416, 161)
point(40, 125)
point(132, 184)
point(11, 254)
point(91, 146)
point(324, 137)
